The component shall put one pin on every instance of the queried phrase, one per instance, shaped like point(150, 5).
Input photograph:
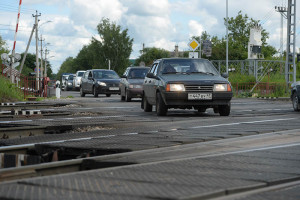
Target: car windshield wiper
point(203, 73)
point(171, 73)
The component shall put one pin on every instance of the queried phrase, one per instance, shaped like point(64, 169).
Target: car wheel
point(108, 95)
point(127, 98)
point(224, 110)
point(161, 108)
point(95, 92)
point(295, 102)
point(82, 94)
point(147, 107)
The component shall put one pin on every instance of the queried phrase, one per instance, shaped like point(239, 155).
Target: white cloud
point(90, 12)
point(157, 23)
point(196, 28)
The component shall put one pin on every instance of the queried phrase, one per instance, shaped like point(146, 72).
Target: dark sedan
point(100, 81)
point(131, 84)
point(186, 84)
point(295, 95)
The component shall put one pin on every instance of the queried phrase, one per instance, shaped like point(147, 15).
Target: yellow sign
point(194, 44)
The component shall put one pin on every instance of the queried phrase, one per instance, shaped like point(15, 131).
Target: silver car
point(131, 84)
point(77, 79)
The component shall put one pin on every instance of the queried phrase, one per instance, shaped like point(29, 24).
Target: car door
point(149, 85)
point(84, 81)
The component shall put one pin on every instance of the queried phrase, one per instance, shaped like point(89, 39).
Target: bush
point(9, 92)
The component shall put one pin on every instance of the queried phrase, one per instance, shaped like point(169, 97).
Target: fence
point(29, 85)
point(261, 89)
point(257, 68)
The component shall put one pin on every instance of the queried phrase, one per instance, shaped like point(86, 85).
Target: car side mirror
point(123, 76)
point(150, 75)
point(224, 75)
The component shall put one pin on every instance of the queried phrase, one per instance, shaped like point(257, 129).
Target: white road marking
point(4, 122)
point(261, 110)
point(238, 123)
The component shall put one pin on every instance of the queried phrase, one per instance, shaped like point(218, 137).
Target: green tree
point(114, 45)
point(66, 67)
point(150, 55)
point(3, 48)
point(239, 33)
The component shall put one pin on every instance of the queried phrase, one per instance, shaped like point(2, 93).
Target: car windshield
point(105, 75)
point(80, 74)
point(70, 77)
point(188, 66)
point(138, 73)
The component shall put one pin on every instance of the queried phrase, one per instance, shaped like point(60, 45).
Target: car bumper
point(107, 90)
point(77, 85)
point(135, 92)
point(181, 99)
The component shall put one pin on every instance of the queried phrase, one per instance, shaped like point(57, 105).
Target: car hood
point(136, 81)
point(192, 78)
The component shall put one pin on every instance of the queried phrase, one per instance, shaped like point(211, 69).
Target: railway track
point(197, 150)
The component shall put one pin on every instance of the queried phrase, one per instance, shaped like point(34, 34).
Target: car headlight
point(175, 88)
point(222, 88)
point(135, 86)
point(101, 83)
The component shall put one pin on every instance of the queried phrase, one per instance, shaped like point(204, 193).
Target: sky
point(67, 25)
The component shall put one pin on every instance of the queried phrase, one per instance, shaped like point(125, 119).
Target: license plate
point(113, 88)
point(199, 96)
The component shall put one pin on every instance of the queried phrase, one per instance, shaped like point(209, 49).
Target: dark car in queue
point(69, 82)
point(100, 81)
point(131, 84)
point(295, 95)
point(186, 83)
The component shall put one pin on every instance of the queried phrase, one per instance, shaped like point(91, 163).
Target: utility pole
point(282, 10)
point(37, 50)
point(45, 66)
point(42, 55)
point(291, 42)
point(25, 54)
point(227, 36)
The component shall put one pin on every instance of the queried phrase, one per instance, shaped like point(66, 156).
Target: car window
point(188, 66)
point(80, 74)
point(153, 68)
point(126, 72)
point(138, 73)
point(105, 75)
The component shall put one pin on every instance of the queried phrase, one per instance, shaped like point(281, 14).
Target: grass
point(276, 82)
point(9, 92)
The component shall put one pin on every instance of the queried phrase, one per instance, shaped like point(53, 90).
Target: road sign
point(207, 50)
point(193, 54)
point(194, 44)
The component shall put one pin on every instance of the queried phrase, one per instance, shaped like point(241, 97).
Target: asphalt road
point(251, 154)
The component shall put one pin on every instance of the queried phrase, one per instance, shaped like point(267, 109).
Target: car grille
point(199, 88)
point(112, 85)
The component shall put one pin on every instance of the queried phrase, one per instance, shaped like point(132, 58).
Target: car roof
point(158, 60)
point(100, 70)
point(137, 67)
